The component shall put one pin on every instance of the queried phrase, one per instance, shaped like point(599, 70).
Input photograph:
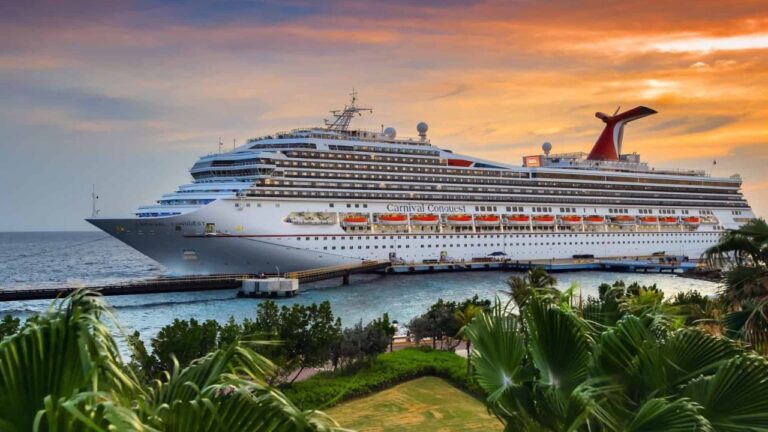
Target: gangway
point(343, 271)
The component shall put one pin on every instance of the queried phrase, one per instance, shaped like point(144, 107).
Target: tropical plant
point(440, 323)
point(743, 252)
point(465, 316)
point(360, 342)
point(547, 369)
point(63, 372)
point(8, 326)
point(536, 281)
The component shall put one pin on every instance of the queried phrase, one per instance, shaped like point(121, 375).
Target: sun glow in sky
point(127, 95)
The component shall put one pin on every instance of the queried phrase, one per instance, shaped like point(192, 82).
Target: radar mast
point(344, 117)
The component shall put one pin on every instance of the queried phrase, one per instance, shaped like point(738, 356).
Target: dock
point(342, 271)
point(194, 283)
point(146, 286)
point(245, 282)
point(618, 264)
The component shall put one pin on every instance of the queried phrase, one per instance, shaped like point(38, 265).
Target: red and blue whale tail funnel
point(608, 145)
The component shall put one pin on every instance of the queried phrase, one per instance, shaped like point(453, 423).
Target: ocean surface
point(92, 258)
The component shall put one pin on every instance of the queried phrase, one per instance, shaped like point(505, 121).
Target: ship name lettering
point(420, 208)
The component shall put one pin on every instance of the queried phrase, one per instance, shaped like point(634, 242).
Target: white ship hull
point(256, 239)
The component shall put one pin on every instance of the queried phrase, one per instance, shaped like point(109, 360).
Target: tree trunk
point(469, 358)
point(301, 369)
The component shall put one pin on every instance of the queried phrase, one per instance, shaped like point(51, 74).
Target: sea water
point(90, 258)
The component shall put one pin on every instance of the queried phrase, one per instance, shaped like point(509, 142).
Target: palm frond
point(735, 398)
point(559, 345)
point(691, 352)
point(658, 414)
point(58, 355)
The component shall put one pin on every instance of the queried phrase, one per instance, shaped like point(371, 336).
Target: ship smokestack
point(608, 145)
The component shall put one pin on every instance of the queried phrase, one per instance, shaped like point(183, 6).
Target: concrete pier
point(251, 285)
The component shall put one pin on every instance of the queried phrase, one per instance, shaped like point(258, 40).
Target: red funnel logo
point(608, 145)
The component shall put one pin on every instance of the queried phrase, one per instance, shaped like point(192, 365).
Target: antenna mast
point(344, 117)
point(94, 198)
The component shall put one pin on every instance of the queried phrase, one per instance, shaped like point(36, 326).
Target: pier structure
point(343, 271)
point(288, 284)
point(650, 264)
point(203, 283)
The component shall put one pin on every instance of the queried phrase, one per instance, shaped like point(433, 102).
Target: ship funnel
point(608, 145)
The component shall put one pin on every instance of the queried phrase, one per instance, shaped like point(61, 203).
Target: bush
point(329, 388)
point(8, 326)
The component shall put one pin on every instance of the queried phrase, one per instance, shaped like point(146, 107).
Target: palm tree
point(743, 253)
point(547, 369)
point(536, 281)
point(63, 372)
point(464, 317)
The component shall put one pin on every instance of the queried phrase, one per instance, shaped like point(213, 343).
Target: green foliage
point(549, 369)
point(536, 282)
point(441, 323)
point(325, 389)
point(63, 372)
point(697, 308)
point(8, 326)
point(301, 336)
point(185, 341)
point(744, 254)
point(360, 343)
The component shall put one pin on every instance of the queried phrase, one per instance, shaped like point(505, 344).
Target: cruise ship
point(331, 195)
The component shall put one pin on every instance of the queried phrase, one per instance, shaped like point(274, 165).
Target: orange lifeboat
point(648, 220)
point(459, 219)
point(519, 219)
point(392, 219)
point(544, 220)
point(570, 220)
point(595, 220)
point(424, 219)
point(624, 220)
point(487, 219)
point(691, 220)
point(355, 220)
point(668, 220)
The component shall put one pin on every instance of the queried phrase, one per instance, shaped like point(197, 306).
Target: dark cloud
point(456, 91)
point(84, 104)
point(697, 124)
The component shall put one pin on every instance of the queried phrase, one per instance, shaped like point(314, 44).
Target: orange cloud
point(494, 79)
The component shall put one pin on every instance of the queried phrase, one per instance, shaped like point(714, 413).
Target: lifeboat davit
point(668, 220)
point(570, 220)
point(648, 220)
point(355, 220)
point(595, 220)
point(459, 219)
point(691, 220)
point(424, 219)
point(519, 219)
point(544, 220)
point(392, 219)
point(624, 220)
point(488, 219)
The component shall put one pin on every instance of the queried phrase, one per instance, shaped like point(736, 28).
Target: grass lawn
point(423, 404)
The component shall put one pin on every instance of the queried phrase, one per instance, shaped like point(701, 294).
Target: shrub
point(8, 326)
point(329, 388)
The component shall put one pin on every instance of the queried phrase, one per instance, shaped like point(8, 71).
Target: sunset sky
point(127, 95)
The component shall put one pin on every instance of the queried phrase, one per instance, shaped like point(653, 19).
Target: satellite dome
point(422, 128)
point(547, 147)
point(390, 132)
